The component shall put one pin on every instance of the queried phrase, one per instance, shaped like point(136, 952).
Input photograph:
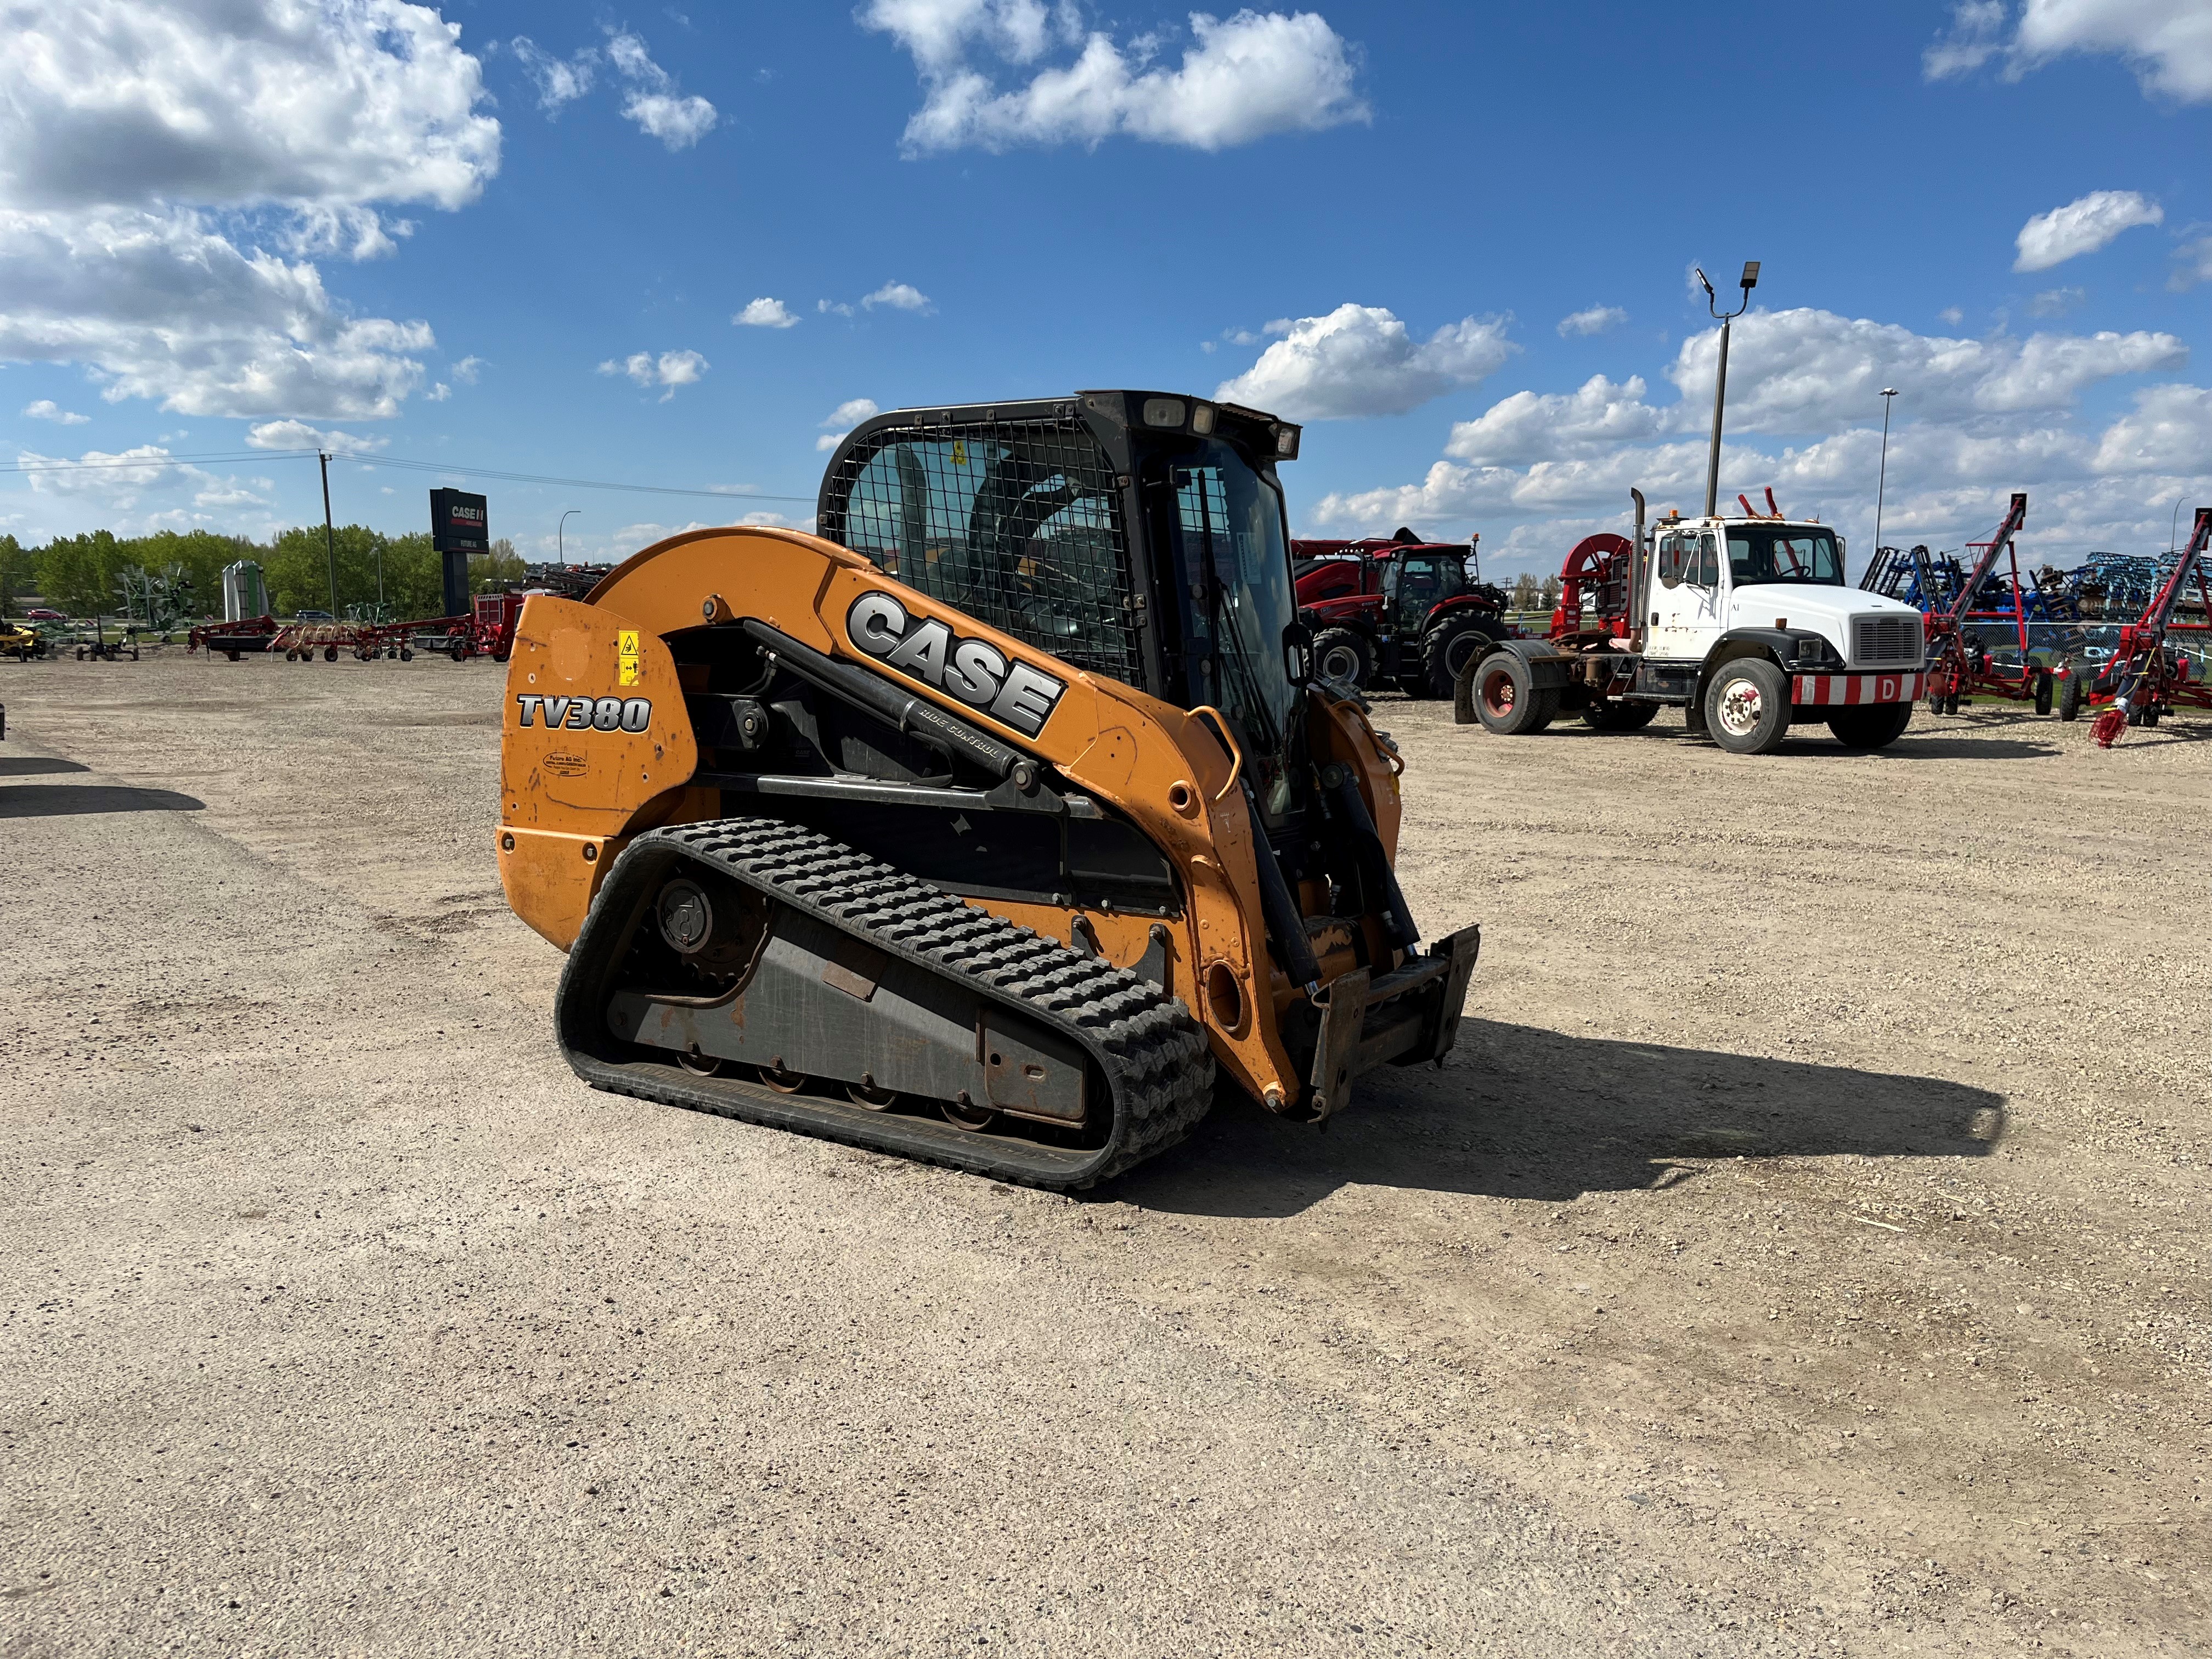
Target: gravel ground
point(1802, 1252)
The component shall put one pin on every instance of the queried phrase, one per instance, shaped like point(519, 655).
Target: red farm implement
point(232, 639)
point(488, 630)
point(1960, 661)
point(2148, 675)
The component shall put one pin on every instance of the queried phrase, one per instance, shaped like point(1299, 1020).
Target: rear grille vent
point(1885, 639)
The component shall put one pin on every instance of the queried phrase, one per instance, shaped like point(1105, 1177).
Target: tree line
point(84, 575)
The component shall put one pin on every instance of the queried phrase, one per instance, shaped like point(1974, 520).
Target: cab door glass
point(1702, 562)
point(1421, 585)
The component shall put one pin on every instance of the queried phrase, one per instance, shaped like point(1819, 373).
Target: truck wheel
point(1343, 655)
point(2071, 696)
point(1611, 714)
point(1449, 648)
point(1875, 726)
point(1506, 700)
point(2044, 690)
point(1748, 707)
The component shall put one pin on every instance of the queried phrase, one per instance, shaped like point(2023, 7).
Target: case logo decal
point(974, 671)
point(588, 714)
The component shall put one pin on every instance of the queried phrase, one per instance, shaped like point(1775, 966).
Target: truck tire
point(1747, 706)
point(1343, 655)
point(1875, 726)
point(1612, 714)
point(1451, 644)
point(1506, 700)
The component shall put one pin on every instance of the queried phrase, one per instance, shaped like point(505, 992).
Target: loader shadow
point(63, 800)
point(30, 766)
point(1525, 1113)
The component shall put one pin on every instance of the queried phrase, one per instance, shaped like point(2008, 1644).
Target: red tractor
point(1398, 611)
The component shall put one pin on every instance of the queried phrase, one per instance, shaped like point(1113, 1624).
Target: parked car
point(44, 613)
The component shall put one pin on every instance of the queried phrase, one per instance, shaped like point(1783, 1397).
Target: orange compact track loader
point(985, 826)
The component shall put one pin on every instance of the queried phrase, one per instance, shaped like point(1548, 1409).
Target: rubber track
point(1152, 1052)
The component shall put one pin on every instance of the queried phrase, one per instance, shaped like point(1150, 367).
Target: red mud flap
point(1409, 1015)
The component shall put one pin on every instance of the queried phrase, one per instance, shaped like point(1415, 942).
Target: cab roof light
point(1164, 411)
point(1201, 419)
point(1286, 443)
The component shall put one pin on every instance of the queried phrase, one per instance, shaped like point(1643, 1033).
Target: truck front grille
point(1885, 639)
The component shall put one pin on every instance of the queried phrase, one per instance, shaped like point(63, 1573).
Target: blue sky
point(523, 246)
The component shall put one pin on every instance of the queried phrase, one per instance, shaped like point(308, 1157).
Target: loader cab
point(1137, 536)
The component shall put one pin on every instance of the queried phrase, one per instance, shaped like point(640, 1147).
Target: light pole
point(560, 540)
point(1882, 483)
point(1750, 281)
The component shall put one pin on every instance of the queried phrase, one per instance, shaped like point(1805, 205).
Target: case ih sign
point(458, 523)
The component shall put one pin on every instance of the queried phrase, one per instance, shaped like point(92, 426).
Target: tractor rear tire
point(1343, 655)
point(1611, 714)
point(1451, 644)
point(2044, 690)
point(2071, 696)
point(1875, 726)
point(1747, 706)
point(459, 653)
point(1506, 699)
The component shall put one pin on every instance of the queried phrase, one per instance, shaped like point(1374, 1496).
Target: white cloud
point(899, 297)
point(116, 481)
point(2169, 430)
point(766, 313)
point(1529, 426)
point(2081, 227)
point(2057, 302)
point(1800, 370)
point(832, 308)
point(127, 126)
point(298, 435)
point(558, 81)
point(161, 306)
point(2192, 264)
point(126, 103)
point(1974, 38)
point(652, 99)
point(1951, 316)
point(843, 418)
point(1243, 78)
point(2168, 43)
point(1976, 418)
point(1597, 320)
point(467, 370)
point(1360, 360)
point(671, 369)
point(438, 393)
point(47, 409)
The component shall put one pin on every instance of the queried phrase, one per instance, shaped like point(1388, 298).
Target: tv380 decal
point(588, 714)
point(975, 671)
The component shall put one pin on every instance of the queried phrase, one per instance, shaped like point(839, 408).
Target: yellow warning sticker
point(629, 676)
point(626, 642)
point(959, 452)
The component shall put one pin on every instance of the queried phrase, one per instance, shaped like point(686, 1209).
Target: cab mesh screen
point(1016, 523)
